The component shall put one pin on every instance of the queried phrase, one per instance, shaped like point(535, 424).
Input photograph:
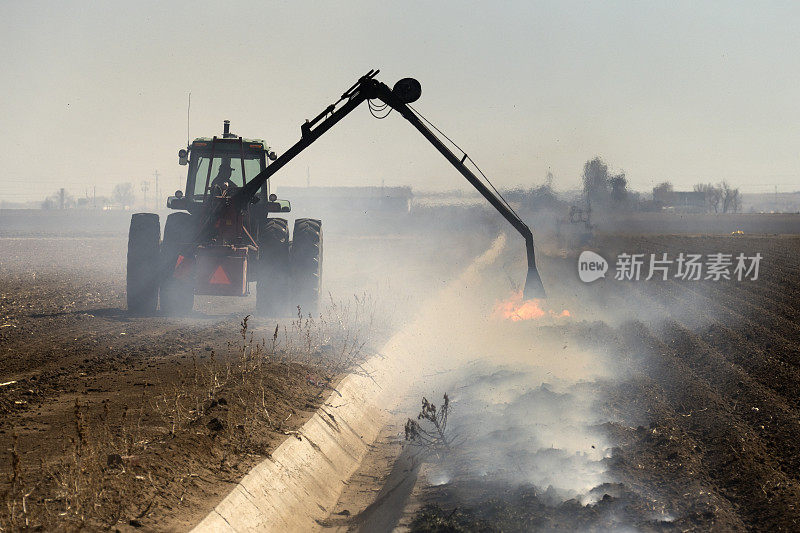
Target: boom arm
point(405, 92)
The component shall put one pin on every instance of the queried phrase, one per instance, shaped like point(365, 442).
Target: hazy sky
point(94, 93)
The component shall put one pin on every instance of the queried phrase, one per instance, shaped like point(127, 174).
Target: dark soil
point(706, 418)
point(84, 382)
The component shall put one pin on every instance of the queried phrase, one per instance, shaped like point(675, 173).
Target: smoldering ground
point(632, 372)
point(525, 423)
point(524, 393)
point(529, 398)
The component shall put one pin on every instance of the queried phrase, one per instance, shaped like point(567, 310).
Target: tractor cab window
point(227, 166)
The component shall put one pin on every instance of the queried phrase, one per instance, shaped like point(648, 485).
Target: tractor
point(238, 247)
point(223, 237)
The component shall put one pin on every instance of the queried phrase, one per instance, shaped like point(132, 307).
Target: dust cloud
point(522, 393)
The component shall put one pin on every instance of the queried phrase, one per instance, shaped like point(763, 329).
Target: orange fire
point(514, 308)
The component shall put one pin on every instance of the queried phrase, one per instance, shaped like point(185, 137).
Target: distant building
point(683, 201)
point(386, 199)
point(773, 202)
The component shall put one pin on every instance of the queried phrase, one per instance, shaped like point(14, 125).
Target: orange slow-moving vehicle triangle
point(219, 277)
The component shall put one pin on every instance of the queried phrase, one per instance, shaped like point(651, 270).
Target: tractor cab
point(218, 166)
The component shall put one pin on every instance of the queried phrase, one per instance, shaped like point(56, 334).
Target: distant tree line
point(123, 195)
point(537, 198)
point(604, 190)
point(719, 198)
point(60, 200)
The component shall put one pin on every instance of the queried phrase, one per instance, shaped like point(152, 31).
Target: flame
point(517, 309)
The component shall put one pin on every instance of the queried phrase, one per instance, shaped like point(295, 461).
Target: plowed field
point(702, 415)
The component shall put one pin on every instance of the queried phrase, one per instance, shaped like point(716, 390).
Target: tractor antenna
point(188, 111)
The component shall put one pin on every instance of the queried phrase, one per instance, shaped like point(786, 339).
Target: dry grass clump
point(429, 430)
point(336, 340)
point(214, 418)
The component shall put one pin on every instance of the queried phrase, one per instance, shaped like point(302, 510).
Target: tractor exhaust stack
point(226, 130)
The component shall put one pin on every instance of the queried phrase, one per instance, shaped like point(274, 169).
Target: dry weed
point(109, 473)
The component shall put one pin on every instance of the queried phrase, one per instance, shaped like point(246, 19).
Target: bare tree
point(60, 200)
point(731, 199)
point(664, 186)
point(662, 193)
point(713, 194)
point(619, 188)
point(124, 194)
point(602, 189)
point(595, 181)
point(548, 180)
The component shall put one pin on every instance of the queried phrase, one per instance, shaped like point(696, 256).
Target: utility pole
point(157, 195)
point(145, 188)
point(776, 199)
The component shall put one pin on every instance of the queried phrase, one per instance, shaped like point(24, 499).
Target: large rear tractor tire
point(177, 294)
point(272, 269)
point(142, 269)
point(305, 265)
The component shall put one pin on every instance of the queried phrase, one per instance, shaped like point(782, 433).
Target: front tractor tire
point(177, 295)
point(305, 265)
point(142, 268)
point(272, 269)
